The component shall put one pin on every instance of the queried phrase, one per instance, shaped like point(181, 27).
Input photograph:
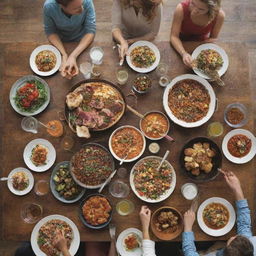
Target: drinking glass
point(189, 190)
point(29, 124)
point(96, 72)
point(124, 207)
point(161, 69)
point(41, 187)
point(96, 55)
point(31, 212)
point(121, 75)
point(164, 80)
point(119, 189)
point(67, 143)
point(215, 129)
point(86, 69)
point(122, 172)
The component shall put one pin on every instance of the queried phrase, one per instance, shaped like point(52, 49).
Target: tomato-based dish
point(45, 60)
point(132, 242)
point(39, 155)
point(142, 57)
point(235, 116)
point(239, 145)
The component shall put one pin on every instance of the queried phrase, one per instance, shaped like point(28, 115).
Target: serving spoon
point(164, 158)
point(5, 179)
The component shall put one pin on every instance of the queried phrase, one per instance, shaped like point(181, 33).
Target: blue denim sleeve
point(188, 244)
point(243, 219)
point(49, 25)
point(90, 21)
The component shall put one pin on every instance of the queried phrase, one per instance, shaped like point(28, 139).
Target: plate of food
point(166, 223)
point(45, 60)
point(63, 186)
point(211, 57)
point(149, 184)
point(39, 155)
point(216, 216)
point(44, 232)
point(129, 242)
point(29, 95)
point(127, 143)
point(200, 159)
point(93, 105)
point(20, 181)
point(189, 100)
point(142, 84)
point(95, 211)
point(239, 146)
point(91, 165)
point(143, 56)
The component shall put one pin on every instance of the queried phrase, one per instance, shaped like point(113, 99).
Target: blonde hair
point(213, 6)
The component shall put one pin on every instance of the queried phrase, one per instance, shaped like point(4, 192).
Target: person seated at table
point(134, 20)
point(69, 21)
point(195, 20)
point(243, 244)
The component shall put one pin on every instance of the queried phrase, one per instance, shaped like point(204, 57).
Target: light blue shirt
point(71, 28)
point(243, 229)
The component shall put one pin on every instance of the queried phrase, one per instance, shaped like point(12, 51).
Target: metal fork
point(112, 232)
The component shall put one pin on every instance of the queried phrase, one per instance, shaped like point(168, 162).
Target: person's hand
point(145, 215)
point(59, 241)
point(189, 219)
point(123, 50)
point(70, 69)
point(187, 59)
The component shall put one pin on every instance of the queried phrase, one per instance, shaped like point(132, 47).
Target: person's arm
point(175, 36)
point(188, 239)
point(61, 243)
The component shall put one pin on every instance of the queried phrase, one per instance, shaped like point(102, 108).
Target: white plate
point(114, 154)
point(239, 160)
point(216, 232)
point(218, 49)
point(120, 243)
point(40, 48)
point(30, 178)
point(152, 47)
point(21, 82)
point(51, 156)
point(207, 87)
point(163, 196)
point(74, 244)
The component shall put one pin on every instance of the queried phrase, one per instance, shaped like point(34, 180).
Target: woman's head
point(238, 246)
point(201, 7)
point(71, 7)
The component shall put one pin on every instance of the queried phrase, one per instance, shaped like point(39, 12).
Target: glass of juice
point(42, 187)
point(215, 129)
point(121, 75)
point(124, 207)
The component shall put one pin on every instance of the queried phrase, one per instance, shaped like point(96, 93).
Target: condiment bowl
point(239, 108)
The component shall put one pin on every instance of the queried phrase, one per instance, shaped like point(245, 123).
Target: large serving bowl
point(163, 216)
point(127, 143)
point(216, 160)
point(91, 165)
point(206, 115)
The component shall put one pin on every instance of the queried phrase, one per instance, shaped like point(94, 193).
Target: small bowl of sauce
point(235, 115)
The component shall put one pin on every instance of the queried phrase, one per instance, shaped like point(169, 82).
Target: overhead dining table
point(14, 139)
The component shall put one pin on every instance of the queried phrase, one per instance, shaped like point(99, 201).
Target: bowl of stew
point(142, 83)
point(235, 115)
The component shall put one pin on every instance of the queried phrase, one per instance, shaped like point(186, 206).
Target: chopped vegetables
point(142, 57)
point(209, 59)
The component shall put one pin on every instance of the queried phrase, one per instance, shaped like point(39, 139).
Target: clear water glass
point(119, 189)
point(29, 124)
point(96, 55)
point(31, 212)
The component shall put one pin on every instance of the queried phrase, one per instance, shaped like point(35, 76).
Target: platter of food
point(129, 242)
point(127, 143)
point(39, 155)
point(95, 211)
point(20, 181)
point(63, 186)
point(148, 183)
point(239, 146)
point(44, 232)
point(143, 56)
point(211, 57)
point(29, 95)
point(189, 100)
point(200, 159)
point(91, 165)
point(45, 60)
point(93, 105)
point(166, 223)
point(216, 216)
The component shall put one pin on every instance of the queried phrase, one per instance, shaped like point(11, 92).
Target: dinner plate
point(51, 156)
point(218, 49)
point(163, 196)
point(34, 235)
point(152, 47)
point(216, 232)
point(211, 106)
point(32, 59)
point(21, 82)
point(239, 160)
point(53, 186)
point(30, 178)
point(120, 242)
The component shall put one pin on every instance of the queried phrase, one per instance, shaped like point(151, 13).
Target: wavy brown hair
point(213, 6)
point(148, 7)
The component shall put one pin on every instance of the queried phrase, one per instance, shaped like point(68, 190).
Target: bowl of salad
point(142, 83)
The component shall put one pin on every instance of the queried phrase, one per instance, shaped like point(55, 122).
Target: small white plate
point(120, 242)
point(32, 59)
point(239, 160)
point(216, 232)
point(51, 156)
point(218, 49)
point(34, 235)
point(30, 180)
point(152, 47)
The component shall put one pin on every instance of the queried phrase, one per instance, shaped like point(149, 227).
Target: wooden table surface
point(16, 65)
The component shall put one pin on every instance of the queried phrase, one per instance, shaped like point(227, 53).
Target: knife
point(107, 181)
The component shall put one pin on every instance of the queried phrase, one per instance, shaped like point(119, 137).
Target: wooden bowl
point(167, 234)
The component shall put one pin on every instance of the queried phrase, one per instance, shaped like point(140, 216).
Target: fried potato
point(195, 171)
point(189, 152)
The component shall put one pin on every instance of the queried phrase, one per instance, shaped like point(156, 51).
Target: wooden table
point(16, 65)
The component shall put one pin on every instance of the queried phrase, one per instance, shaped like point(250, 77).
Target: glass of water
point(31, 212)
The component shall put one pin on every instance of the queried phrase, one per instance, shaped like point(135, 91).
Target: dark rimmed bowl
point(81, 216)
point(216, 160)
